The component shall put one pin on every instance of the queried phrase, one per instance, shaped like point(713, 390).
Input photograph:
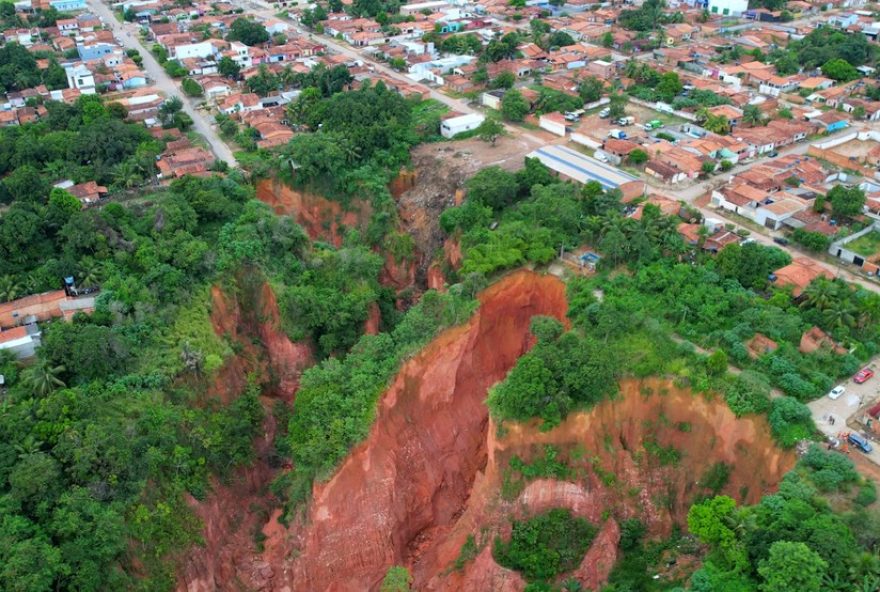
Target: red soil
point(320, 217)
point(431, 469)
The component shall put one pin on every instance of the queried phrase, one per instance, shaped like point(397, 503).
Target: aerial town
point(449, 295)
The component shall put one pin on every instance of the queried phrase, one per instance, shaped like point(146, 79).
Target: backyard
point(867, 245)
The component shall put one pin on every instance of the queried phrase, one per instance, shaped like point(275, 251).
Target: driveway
point(127, 36)
point(857, 397)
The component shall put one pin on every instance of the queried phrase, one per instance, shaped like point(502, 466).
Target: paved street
point(126, 35)
point(267, 11)
point(856, 396)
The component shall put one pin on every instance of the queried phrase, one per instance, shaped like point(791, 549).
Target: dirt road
point(126, 35)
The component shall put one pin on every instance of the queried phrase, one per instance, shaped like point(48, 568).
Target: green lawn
point(866, 245)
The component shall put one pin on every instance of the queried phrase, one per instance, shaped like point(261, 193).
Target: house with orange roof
point(799, 274)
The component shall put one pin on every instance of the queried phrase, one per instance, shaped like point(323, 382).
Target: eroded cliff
point(435, 470)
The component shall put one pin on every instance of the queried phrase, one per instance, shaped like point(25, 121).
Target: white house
point(464, 123)
point(728, 7)
point(184, 51)
point(81, 78)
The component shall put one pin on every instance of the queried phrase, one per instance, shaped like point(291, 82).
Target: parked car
point(780, 240)
point(654, 124)
point(836, 392)
point(863, 375)
point(626, 121)
point(618, 134)
point(600, 156)
point(860, 442)
point(604, 113)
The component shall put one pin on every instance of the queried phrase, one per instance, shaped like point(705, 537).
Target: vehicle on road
point(860, 442)
point(780, 240)
point(654, 124)
point(863, 375)
point(600, 156)
point(836, 392)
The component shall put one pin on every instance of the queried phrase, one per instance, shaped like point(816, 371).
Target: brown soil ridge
point(405, 486)
point(614, 475)
point(320, 217)
point(233, 513)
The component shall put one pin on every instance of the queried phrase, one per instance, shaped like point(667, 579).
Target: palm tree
point(43, 378)
point(752, 115)
point(9, 288)
point(126, 174)
point(820, 294)
point(841, 315)
point(91, 272)
point(702, 114)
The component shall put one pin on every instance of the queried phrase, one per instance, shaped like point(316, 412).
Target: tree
point(43, 378)
point(505, 79)
point(617, 105)
point(228, 67)
point(710, 521)
point(397, 579)
point(717, 124)
point(792, 566)
point(192, 88)
point(490, 130)
point(841, 70)
point(182, 121)
point(560, 39)
point(493, 187)
point(846, 202)
point(264, 82)
point(716, 363)
point(248, 31)
point(169, 109)
point(708, 167)
point(174, 69)
point(752, 115)
point(669, 86)
point(590, 89)
point(638, 156)
point(607, 39)
point(514, 107)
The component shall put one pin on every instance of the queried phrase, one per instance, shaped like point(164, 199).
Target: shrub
point(748, 393)
point(545, 545)
point(631, 532)
point(790, 421)
point(831, 471)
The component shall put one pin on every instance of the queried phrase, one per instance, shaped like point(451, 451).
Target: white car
point(836, 392)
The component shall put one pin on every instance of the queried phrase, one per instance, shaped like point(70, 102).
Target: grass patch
point(866, 245)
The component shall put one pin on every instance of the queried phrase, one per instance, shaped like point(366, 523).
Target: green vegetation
point(791, 540)
point(545, 545)
point(546, 466)
point(247, 31)
point(468, 553)
point(83, 142)
point(396, 580)
point(867, 245)
point(564, 371)
point(101, 439)
point(336, 402)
